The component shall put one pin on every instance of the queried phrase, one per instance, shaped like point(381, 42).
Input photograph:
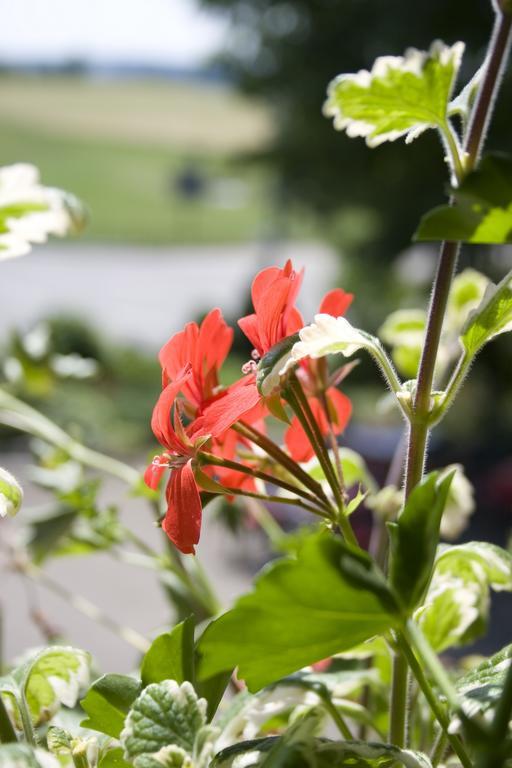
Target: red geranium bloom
point(273, 293)
point(182, 522)
point(191, 360)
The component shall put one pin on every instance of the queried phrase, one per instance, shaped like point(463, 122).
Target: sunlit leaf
point(302, 610)
point(456, 607)
point(483, 207)
point(400, 96)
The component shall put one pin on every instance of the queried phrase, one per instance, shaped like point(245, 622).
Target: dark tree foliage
point(287, 52)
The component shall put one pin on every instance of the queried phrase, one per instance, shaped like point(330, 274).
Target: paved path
point(143, 294)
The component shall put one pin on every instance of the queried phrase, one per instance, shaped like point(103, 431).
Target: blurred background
point(194, 134)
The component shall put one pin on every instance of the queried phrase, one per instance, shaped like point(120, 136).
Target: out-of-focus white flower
point(328, 335)
point(460, 503)
point(29, 212)
point(11, 494)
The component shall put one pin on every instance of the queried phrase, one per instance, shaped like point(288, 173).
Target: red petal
point(154, 472)
point(336, 302)
point(250, 328)
point(342, 407)
point(237, 400)
point(297, 442)
point(161, 419)
point(182, 522)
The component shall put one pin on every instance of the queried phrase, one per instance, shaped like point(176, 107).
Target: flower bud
point(11, 494)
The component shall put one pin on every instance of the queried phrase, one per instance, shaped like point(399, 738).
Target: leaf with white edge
point(492, 316)
point(23, 756)
point(107, 703)
point(58, 741)
point(460, 503)
point(167, 757)
point(483, 207)
point(164, 714)
point(302, 610)
point(456, 607)
point(171, 656)
point(466, 293)
point(404, 331)
point(57, 675)
point(405, 327)
point(320, 753)
point(414, 538)
point(482, 687)
point(400, 96)
point(328, 335)
point(11, 494)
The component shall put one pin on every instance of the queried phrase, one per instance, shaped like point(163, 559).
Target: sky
point(147, 31)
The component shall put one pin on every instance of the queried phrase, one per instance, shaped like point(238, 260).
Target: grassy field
point(122, 145)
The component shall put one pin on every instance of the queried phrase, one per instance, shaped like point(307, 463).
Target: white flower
point(327, 336)
point(11, 494)
point(29, 212)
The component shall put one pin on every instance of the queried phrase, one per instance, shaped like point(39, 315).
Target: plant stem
point(336, 717)
point(434, 703)
point(218, 461)
point(26, 718)
point(281, 457)
point(398, 713)
point(439, 748)
point(482, 111)
point(420, 414)
point(7, 732)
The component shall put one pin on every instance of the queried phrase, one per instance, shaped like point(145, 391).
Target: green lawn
point(119, 146)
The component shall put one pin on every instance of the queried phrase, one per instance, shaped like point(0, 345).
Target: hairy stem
point(435, 705)
point(420, 414)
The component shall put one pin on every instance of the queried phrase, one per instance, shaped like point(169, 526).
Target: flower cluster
point(214, 436)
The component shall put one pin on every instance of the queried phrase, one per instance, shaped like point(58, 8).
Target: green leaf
point(492, 317)
point(302, 610)
point(23, 756)
point(482, 687)
point(164, 714)
point(55, 676)
point(114, 758)
point(107, 703)
point(401, 96)
point(414, 538)
point(456, 606)
point(171, 656)
point(483, 209)
point(318, 753)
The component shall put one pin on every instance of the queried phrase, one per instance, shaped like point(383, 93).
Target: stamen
point(249, 367)
point(255, 355)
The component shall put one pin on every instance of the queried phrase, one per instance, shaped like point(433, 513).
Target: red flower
point(204, 348)
point(273, 293)
point(200, 351)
